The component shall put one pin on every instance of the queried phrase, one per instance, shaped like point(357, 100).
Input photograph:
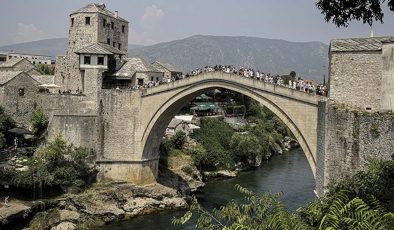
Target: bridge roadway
point(134, 156)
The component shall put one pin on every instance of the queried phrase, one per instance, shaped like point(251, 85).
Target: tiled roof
point(6, 76)
point(44, 79)
point(133, 65)
point(97, 8)
point(93, 49)
point(11, 62)
point(359, 44)
point(167, 66)
point(99, 48)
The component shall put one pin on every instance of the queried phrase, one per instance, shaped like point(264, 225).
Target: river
point(289, 173)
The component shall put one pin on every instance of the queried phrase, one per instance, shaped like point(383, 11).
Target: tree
point(39, 121)
point(293, 74)
point(6, 123)
point(341, 12)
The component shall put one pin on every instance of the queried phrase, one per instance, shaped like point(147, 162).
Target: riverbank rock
point(181, 173)
point(221, 173)
point(14, 210)
point(65, 226)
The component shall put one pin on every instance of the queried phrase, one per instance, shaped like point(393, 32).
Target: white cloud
point(151, 15)
point(148, 23)
point(140, 38)
point(28, 32)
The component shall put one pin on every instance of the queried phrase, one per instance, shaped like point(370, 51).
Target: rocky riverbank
point(106, 202)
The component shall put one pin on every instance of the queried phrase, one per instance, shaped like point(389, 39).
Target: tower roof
point(99, 48)
point(98, 8)
point(359, 44)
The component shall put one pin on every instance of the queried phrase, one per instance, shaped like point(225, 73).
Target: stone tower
point(97, 44)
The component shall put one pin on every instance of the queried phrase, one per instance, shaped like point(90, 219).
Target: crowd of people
point(296, 84)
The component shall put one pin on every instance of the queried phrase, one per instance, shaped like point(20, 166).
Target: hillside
point(308, 59)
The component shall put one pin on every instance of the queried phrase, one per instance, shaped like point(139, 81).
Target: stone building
point(136, 72)
point(361, 73)
point(169, 70)
point(19, 64)
point(32, 58)
point(97, 45)
point(18, 94)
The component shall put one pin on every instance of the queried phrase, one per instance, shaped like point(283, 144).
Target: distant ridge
point(308, 59)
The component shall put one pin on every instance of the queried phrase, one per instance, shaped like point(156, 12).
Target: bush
point(56, 165)
point(6, 123)
point(39, 121)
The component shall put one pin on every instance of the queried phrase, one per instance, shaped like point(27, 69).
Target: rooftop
point(166, 66)
point(359, 44)
point(95, 48)
point(44, 79)
point(6, 76)
point(11, 62)
point(97, 8)
point(133, 65)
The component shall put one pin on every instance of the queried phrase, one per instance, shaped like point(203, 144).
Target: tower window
point(123, 28)
point(72, 21)
point(108, 41)
point(87, 20)
point(100, 60)
point(86, 60)
point(119, 45)
point(112, 25)
point(21, 91)
point(114, 44)
point(104, 22)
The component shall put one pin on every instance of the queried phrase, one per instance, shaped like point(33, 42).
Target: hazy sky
point(153, 21)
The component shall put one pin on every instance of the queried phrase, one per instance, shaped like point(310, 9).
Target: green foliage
point(374, 130)
point(377, 182)
point(259, 212)
point(341, 209)
point(57, 164)
point(215, 136)
point(246, 148)
point(6, 123)
point(341, 12)
point(179, 139)
point(200, 156)
point(39, 121)
point(46, 69)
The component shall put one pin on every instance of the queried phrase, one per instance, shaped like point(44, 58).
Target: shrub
point(39, 121)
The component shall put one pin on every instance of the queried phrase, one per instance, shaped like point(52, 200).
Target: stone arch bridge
point(132, 123)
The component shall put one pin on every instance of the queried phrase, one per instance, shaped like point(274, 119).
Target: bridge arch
point(285, 105)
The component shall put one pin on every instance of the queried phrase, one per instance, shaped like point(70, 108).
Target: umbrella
point(19, 131)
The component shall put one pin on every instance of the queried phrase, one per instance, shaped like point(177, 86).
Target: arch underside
point(157, 125)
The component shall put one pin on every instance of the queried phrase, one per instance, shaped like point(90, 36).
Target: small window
point(86, 60)
point(119, 46)
point(72, 21)
point(151, 78)
point(104, 22)
point(108, 41)
point(100, 60)
point(34, 62)
point(112, 25)
point(21, 91)
point(114, 44)
point(87, 20)
point(123, 28)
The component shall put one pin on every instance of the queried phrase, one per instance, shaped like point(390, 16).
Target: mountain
point(307, 59)
point(50, 47)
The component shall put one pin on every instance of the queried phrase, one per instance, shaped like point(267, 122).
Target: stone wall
point(387, 99)
point(355, 78)
point(81, 130)
point(351, 139)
